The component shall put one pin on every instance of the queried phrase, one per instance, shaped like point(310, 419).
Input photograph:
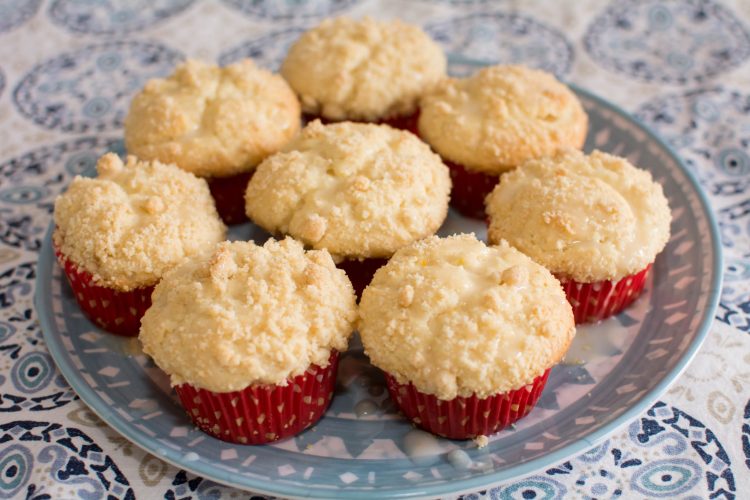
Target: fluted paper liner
point(593, 302)
point(465, 417)
point(262, 413)
point(229, 196)
point(113, 310)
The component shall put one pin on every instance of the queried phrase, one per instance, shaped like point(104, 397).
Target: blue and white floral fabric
point(69, 67)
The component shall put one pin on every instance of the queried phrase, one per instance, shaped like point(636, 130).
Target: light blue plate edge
point(98, 406)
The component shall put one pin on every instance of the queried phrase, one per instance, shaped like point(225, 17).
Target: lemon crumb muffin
point(118, 233)
point(364, 70)
point(464, 332)
point(595, 220)
point(495, 120)
point(250, 335)
point(361, 191)
point(217, 123)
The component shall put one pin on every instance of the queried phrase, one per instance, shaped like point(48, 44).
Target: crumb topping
point(135, 221)
point(457, 318)
point(500, 117)
point(587, 218)
point(481, 441)
point(363, 70)
point(212, 121)
point(249, 314)
point(358, 190)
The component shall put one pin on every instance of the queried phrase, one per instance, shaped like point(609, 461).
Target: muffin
point(361, 191)
point(597, 222)
point(494, 121)
point(118, 233)
point(218, 123)
point(250, 337)
point(367, 70)
point(465, 333)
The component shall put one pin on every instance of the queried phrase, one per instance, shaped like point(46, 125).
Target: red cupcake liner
point(113, 310)
point(360, 273)
point(262, 413)
point(470, 189)
point(596, 301)
point(229, 196)
point(408, 122)
point(465, 418)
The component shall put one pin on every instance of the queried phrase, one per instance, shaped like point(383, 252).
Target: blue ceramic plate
point(363, 448)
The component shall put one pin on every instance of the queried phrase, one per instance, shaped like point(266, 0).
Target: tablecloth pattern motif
point(68, 69)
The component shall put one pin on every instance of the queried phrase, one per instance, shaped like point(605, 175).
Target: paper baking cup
point(262, 413)
point(408, 123)
point(465, 418)
point(115, 311)
point(229, 196)
point(595, 301)
point(469, 190)
point(360, 273)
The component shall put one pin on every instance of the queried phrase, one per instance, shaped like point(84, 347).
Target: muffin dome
point(500, 117)
point(212, 121)
point(249, 314)
point(363, 70)
point(135, 221)
point(357, 190)
point(457, 318)
point(586, 218)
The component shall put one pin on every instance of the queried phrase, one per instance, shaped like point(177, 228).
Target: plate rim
point(94, 402)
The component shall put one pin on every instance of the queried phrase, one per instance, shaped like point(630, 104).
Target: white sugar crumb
point(481, 441)
point(154, 205)
point(406, 296)
point(390, 64)
point(212, 121)
point(361, 183)
point(249, 314)
point(135, 221)
point(314, 229)
point(423, 321)
point(500, 117)
point(514, 275)
point(357, 190)
point(584, 217)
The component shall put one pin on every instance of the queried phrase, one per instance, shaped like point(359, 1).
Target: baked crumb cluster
point(363, 70)
point(358, 190)
point(584, 217)
point(500, 117)
point(249, 314)
point(135, 221)
point(458, 318)
point(212, 121)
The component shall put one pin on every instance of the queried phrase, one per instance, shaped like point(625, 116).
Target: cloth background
point(67, 72)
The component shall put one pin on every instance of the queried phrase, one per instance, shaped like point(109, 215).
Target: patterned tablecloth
point(69, 67)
